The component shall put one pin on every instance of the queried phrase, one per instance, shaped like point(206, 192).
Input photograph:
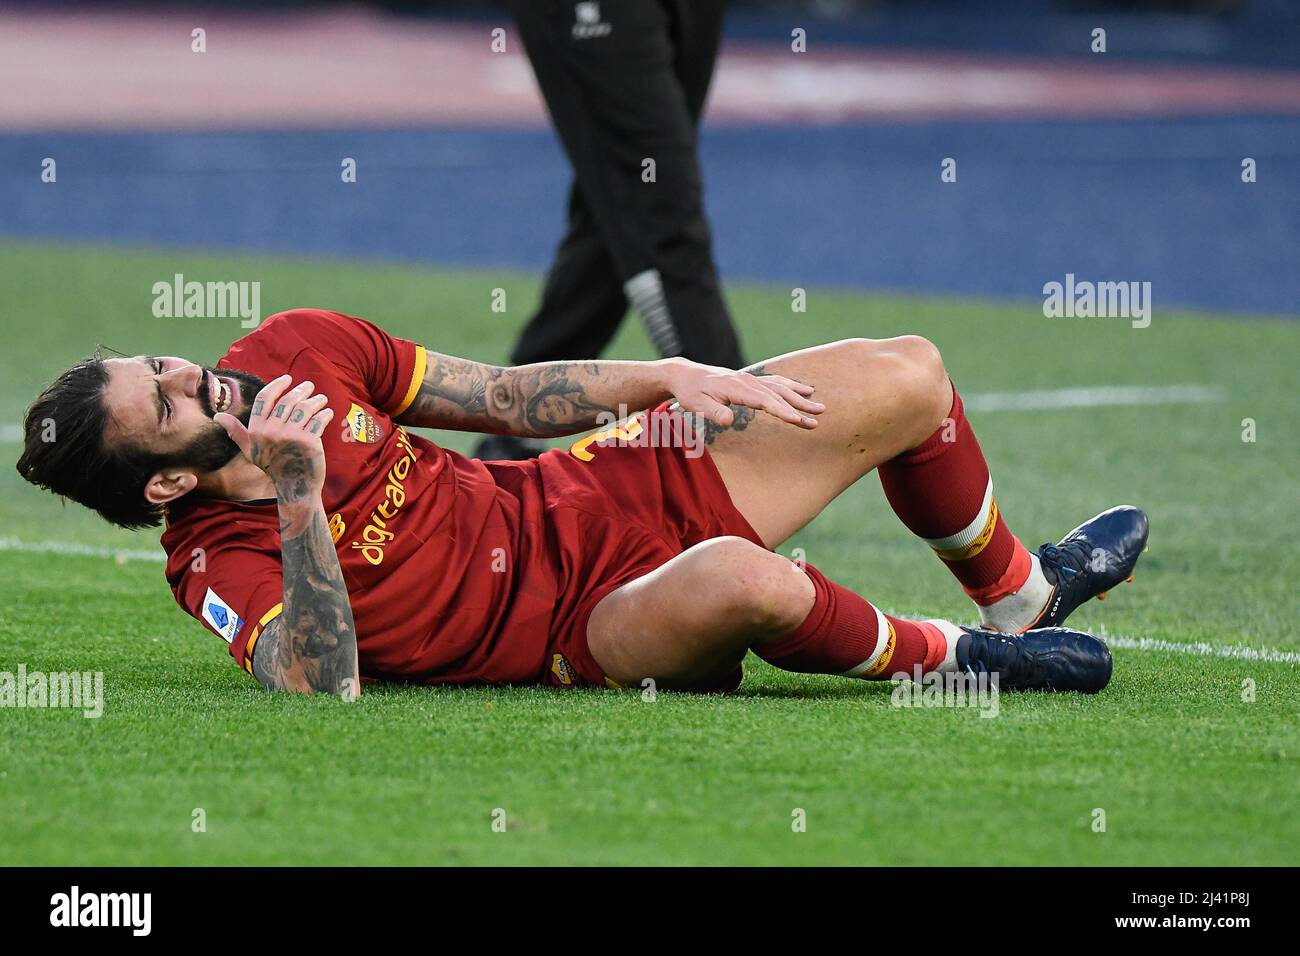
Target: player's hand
point(708, 390)
point(283, 436)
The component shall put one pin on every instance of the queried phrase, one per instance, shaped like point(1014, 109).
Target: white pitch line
point(1199, 648)
point(1204, 649)
point(1028, 401)
point(80, 550)
point(1099, 396)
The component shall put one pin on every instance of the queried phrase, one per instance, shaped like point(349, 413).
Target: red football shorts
point(619, 504)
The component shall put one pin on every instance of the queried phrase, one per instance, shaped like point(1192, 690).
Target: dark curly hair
point(64, 450)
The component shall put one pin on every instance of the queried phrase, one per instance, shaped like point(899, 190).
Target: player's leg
point(688, 624)
point(623, 117)
point(882, 397)
point(693, 290)
point(582, 301)
point(581, 309)
point(697, 36)
point(890, 405)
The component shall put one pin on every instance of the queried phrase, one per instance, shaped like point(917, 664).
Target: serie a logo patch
point(360, 426)
point(221, 616)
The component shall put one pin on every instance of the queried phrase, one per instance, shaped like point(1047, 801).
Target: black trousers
point(625, 81)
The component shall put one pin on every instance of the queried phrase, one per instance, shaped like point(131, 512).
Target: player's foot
point(1091, 560)
point(508, 448)
point(1053, 658)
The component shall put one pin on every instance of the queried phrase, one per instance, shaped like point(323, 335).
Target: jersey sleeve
point(391, 368)
point(234, 591)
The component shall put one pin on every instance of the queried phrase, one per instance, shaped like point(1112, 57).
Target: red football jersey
point(448, 572)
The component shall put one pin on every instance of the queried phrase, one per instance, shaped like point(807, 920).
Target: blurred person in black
point(625, 82)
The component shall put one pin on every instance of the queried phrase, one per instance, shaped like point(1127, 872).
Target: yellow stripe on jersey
point(257, 632)
point(417, 378)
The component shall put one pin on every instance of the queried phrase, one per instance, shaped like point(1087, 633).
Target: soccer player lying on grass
point(325, 543)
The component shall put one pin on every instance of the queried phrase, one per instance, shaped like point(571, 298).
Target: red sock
point(942, 492)
point(844, 634)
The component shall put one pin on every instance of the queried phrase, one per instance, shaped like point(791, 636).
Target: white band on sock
point(968, 534)
point(884, 630)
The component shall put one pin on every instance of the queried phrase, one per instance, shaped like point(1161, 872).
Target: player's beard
point(212, 448)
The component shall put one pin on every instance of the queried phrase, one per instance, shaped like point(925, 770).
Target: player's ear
point(168, 485)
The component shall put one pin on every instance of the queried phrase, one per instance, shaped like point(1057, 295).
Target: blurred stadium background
point(822, 171)
point(821, 168)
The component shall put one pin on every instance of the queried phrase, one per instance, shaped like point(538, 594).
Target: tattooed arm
point(312, 646)
point(544, 400)
point(563, 398)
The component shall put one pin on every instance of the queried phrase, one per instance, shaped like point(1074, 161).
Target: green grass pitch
point(1186, 771)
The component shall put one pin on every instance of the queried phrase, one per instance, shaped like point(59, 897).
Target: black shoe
point(1091, 560)
point(1053, 658)
point(508, 448)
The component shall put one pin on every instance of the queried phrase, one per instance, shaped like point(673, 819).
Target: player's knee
point(753, 587)
point(923, 355)
point(918, 381)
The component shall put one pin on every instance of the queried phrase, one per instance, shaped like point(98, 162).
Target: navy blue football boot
point(1053, 658)
point(1090, 560)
